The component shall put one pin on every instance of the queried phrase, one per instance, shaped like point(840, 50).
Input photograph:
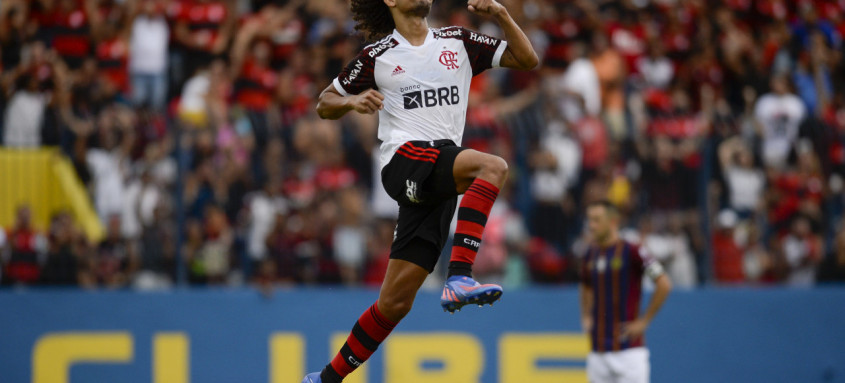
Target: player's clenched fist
point(367, 102)
point(484, 7)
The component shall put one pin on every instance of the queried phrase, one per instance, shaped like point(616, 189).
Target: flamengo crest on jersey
point(425, 87)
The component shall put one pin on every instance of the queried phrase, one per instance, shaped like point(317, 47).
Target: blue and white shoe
point(313, 377)
point(462, 290)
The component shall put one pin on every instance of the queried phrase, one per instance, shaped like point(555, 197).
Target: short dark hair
point(372, 18)
point(606, 204)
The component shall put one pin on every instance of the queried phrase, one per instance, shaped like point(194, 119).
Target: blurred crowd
point(718, 128)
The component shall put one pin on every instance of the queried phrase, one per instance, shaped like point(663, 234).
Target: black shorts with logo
point(420, 178)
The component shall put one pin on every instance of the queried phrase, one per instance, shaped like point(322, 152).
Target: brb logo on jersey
point(414, 97)
point(449, 59)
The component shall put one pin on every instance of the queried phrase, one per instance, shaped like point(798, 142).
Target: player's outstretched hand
point(485, 7)
point(367, 102)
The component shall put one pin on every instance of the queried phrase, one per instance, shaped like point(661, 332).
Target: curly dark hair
point(372, 18)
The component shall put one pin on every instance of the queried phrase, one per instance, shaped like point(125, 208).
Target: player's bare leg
point(478, 176)
point(401, 283)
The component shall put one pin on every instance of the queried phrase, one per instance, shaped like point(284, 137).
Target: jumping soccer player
point(417, 79)
point(612, 274)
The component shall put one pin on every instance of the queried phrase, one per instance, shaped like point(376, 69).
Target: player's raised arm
point(519, 53)
point(332, 105)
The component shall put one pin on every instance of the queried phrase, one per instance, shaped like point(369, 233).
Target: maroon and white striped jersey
point(425, 87)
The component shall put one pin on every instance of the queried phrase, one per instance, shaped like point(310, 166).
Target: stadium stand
point(718, 127)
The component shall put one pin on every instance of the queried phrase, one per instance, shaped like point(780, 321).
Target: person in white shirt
point(581, 90)
point(745, 183)
point(109, 165)
point(417, 79)
point(657, 70)
point(24, 115)
point(671, 246)
point(803, 250)
point(148, 61)
point(556, 168)
point(780, 114)
point(264, 205)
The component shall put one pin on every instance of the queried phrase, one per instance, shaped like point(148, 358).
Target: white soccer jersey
point(425, 87)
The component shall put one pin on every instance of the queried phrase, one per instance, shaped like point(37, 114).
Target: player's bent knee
point(496, 168)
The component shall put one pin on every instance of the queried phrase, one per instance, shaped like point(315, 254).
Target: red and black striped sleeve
point(359, 74)
point(484, 51)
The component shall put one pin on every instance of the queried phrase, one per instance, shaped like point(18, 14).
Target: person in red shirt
point(279, 26)
point(727, 254)
point(27, 247)
point(628, 37)
point(110, 30)
point(255, 80)
point(69, 26)
point(203, 29)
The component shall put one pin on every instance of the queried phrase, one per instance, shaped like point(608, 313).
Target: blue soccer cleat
point(313, 377)
point(462, 290)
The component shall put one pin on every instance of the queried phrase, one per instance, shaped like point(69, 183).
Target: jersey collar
point(401, 39)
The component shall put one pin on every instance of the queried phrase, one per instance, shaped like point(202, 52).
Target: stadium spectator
point(63, 266)
point(213, 258)
point(157, 248)
point(115, 259)
point(203, 29)
point(198, 94)
point(15, 30)
point(148, 43)
point(727, 253)
point(780, 114)
point(759, 265)
point(378, 246)
point(799, 189)
point(111, 29)
point(578, 89)
point(555, 165)
point(66, 25)
point(655, 68)
point(27, 247)
point(802, 250)
point(745, 182)
point(24, 114)
point(349, 239)
point(109, 162)
point(832, 268)
point(264, 208)
point(669, 245)
point(142, 196)
point(32, 88)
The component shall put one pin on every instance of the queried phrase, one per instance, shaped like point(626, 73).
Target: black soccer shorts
point(420, 178)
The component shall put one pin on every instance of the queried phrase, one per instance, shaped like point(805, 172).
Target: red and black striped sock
point(367, 334)
point(472, 216)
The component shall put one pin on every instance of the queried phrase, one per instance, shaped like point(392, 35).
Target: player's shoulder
point(634, 247)
point(450, 32)
point(379, 47)
point(638, 251)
